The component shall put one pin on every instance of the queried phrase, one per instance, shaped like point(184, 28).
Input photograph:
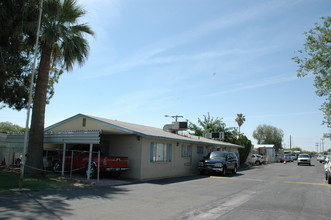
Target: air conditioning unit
point(208, 135)
point(181, 125)
point(215, 135)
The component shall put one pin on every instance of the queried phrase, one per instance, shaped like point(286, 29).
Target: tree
point(16, 46)
point(267, 134)
point(18, 19)
point(207, 125)
point(244, 152)
point(315, 59)
point(10, 127)
point(210, 124)
point(234, 137)
point(240, 120)
point(62, 43)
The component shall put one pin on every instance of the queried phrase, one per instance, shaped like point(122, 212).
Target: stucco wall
point(126, 146)
point(178, 166)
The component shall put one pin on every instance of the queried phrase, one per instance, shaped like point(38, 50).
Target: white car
point(326, 161)
point(257, 159)
point(327, 167)
point(320, 158)
point(304, 159)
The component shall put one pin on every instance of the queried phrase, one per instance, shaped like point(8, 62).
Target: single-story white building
point(152, 152)
point(267, 151)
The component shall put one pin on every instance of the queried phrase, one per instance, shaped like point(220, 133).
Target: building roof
point(146, 131)
point(264, 145)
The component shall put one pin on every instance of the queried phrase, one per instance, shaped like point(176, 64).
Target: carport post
point(98, 166)
point(72, 161)
point(63, 158)
point(89, 162)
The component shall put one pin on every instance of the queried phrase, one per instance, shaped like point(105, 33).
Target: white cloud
point(151, 54)
point(154, 99)
point(257, 84)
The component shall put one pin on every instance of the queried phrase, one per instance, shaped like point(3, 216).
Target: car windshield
point(304, 156)
point(217, 156)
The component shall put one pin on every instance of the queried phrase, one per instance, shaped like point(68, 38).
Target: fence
point(53, 161)
point(10, 156)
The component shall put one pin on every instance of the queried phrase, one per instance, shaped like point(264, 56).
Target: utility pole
point(174, 116)
point(322, 144)
point(317, 147)
point(290, 142)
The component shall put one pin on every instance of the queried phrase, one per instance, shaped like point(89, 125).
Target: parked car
point(48, 157)
point(327, 167)
point(219, 162)
point(281, 159)
point(18, 161)
point(320, 158)
point(288, 158)
point(304, 159)
point(257, 159)
point(78, 159)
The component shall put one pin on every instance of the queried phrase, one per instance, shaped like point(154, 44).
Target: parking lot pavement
point(275, 191)
point(102, 181)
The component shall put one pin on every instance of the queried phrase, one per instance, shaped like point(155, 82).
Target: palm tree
point(240, 120)
point(62, 44)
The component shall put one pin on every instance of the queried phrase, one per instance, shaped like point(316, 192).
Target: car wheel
point(329, 179)
point(57, 167)
point(298, 164)
point(257, 162)
point(18, 162)
point(234, 171)
point(93, 171)
point(224, 171)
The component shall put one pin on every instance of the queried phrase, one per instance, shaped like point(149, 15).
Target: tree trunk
point(34, 160)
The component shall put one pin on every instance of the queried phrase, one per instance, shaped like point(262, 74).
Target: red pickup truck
point(77, 158)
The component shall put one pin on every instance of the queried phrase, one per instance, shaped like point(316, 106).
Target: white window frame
point(200, 149)
point(160, 152)
point(186, 150)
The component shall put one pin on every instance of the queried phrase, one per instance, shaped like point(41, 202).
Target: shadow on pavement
point(51, 203)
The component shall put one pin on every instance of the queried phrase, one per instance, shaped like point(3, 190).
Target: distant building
point(267, 150)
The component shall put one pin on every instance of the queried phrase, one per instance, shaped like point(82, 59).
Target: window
point(186, 150)
point(160, 152)
point(218, 155)
point(200, 150)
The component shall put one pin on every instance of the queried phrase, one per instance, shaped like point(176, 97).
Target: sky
point(189, 58)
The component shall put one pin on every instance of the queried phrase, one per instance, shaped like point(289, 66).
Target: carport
point(61, 137)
